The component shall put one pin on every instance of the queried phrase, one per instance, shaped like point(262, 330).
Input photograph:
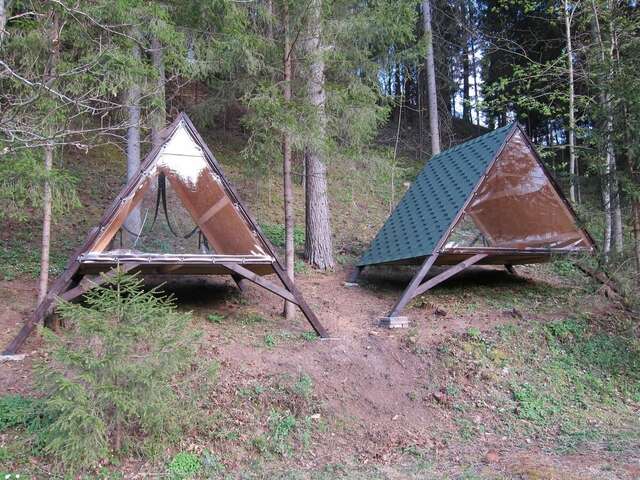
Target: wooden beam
point(258, 280)
point(409, 292)
point(215, 208)
point(450, 272)
point(304, 308)
point(510, 269)
point(87, 283)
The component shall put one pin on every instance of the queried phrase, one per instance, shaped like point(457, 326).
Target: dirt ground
point(376, 397)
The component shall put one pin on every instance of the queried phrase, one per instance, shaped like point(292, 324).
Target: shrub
point(110, 383)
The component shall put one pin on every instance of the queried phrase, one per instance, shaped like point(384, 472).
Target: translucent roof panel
point(518, 207)
point(196, 201)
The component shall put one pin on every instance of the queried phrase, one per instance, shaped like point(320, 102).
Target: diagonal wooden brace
point(258, 280)
point(450, 272)
point(409, 292)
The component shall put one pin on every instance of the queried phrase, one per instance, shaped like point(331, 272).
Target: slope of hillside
point(534, 376)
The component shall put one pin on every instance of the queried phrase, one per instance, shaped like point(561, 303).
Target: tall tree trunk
point(318, 242)
point(133, 222)
point(3, 20)
point(573, 178)
point(466, 71)
point(432, 96)
point(159, 114)
point(474, 69)
point(618, 238)
point(634, 174)
point(49, 76)
point(610, 190)
point(43, 284)
point(289, 221)
point(269, 5)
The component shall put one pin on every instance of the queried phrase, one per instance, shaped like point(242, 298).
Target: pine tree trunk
point(432, 96)
point(133, 222)
point(43, 284)
point(573, 179)
point(289, 246)
point(159, 114)
point(318, 241)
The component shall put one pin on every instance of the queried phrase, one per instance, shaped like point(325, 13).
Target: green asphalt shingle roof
point(432, 202)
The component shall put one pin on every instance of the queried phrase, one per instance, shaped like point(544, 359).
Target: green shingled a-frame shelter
point(487, 201)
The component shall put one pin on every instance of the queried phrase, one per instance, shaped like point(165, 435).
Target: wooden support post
point(510, 269)
point(409, 292)
point(308, 313)
point(450, 272)
point(355, 273)
point(241, 283)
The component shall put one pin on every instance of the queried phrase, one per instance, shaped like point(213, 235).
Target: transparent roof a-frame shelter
point(178, 215)
point(488, 201)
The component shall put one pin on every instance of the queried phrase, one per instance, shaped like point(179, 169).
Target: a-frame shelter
point(486, 201)
point(178, 215)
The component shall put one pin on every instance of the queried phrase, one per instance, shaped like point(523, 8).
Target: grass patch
point(571, 382)
point(276, 234)
point(216, 318)
point(24, 261)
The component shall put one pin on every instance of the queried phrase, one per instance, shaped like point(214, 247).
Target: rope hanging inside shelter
point(161, 198)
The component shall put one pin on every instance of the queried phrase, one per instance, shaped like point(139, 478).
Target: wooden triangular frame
point(74, 282)
point(418, 285)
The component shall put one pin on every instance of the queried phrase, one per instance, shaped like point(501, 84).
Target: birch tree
point(289, 220)
point(573, 165)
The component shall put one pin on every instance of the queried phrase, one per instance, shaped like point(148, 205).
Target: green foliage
point(304, 386)
point(250, 318)
point(22, 180)
point(109, 384)
point(18, 411)
point(309, 336)
point(275, 234)
point(269, 341)
point(184, 465)
point(216, 318)
point(532, 403)
point(281, 426)
point(20, 259)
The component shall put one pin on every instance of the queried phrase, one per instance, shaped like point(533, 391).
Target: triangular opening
point(178, 206)
point(517, 207)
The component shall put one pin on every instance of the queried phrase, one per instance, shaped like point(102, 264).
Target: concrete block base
point(350, 284)
point(394, 322)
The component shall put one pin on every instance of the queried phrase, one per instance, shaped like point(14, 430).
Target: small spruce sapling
point(111, 382)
